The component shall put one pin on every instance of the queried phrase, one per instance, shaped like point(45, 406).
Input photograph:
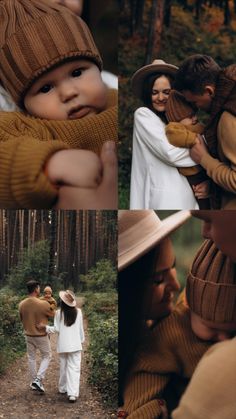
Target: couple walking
point(68, 324)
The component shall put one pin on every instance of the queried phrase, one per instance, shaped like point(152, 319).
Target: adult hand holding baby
point(198, 150)
point(103, 196)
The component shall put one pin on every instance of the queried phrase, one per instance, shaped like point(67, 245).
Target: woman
point(68, 323)
point(155, 181)
point(146, 280)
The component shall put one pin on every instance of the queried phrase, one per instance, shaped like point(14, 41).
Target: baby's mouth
point(78, 112)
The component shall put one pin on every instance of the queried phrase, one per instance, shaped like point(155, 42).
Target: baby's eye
point(45, 89)
point(77, 72)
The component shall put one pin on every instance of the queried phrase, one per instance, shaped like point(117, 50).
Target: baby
point(68, 112)
point(175, 345)
point(47, 296)
point(181, 132)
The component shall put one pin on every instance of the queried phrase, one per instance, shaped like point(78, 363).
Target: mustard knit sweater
point(26, 143)
point(33, 311)
point(180, 135)
point(171, 347)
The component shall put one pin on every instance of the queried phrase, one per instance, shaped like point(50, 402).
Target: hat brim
point(162, 230)
point(62, 295)
point(146, 71)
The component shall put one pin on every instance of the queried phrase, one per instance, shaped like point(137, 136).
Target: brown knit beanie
point(34, 37)
point(211, 285)
point(177, 107)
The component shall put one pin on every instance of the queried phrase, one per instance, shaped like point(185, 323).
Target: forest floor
point(17, 400)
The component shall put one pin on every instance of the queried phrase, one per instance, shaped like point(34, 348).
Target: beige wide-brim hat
point(68, 298)
point(157, 66)
point(141, 230)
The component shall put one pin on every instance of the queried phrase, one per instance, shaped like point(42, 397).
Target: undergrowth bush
point(101, 277)
point(101, 311)
point(12, 342)
point(33, 264)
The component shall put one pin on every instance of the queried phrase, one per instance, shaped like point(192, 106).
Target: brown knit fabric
point(224, 100)
point(177, 107)
point(33, 311)
point(26, 143)
point(169, 348)
point(35, 36)
point(211, 285)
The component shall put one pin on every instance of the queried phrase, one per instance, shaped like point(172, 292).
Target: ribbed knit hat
point(211, 285)
point(177, 107)
point(34, 37)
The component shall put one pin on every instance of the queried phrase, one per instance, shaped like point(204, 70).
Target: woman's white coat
point(155, 180)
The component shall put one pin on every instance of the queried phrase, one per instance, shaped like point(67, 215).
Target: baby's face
point(212, 331)
point(72, 90)
point(192, 120)
point(47, 294)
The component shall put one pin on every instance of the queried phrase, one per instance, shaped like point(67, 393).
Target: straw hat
point(68, 298)
point(157, 66)
point(141, 230)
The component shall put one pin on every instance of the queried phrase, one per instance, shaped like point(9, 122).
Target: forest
point(76, 240)
point(170, 30)
point(67, 250)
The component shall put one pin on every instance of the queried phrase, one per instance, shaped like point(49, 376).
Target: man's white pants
point(70, 373)
point(42, 343)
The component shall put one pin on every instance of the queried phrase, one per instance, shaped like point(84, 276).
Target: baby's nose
point(67, 92)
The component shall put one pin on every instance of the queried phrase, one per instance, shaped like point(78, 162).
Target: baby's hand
point(202, 190)
point(77, 168)
point(105, 196)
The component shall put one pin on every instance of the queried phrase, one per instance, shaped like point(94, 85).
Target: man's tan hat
point(157, 66)
point(141, 230)
point(68, 298)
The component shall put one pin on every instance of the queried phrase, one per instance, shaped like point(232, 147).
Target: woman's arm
point(56, 327)
point(150, 130)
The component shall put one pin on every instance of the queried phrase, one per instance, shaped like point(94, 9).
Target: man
point(211, 391)
point(33, 311)
point(206, 85)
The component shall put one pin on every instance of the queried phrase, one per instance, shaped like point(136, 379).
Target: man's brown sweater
point(33, 311)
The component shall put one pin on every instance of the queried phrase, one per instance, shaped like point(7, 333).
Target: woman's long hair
point(132, 283)
point(70, 314)
point(147, 92)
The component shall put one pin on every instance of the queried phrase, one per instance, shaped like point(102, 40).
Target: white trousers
point(70, 373)
point(42, 343)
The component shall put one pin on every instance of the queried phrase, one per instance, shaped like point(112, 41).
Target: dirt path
point(18, 401)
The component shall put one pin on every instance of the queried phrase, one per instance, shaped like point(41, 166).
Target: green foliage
point(12, 342)
point(102, 304)
point(101, 311)
point(101, 277)
point(104, 353)
point(33, 264)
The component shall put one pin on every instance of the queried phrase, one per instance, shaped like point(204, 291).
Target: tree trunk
point(226, 13)
point(155, 30)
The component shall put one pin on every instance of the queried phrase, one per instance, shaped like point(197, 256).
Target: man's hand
point(105, 196)
point(198, 150)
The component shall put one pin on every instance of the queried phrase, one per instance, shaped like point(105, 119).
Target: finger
point(109, 162)
point(109, 184)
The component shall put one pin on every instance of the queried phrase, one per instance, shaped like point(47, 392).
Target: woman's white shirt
point(155, 181)
point(70, 338)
